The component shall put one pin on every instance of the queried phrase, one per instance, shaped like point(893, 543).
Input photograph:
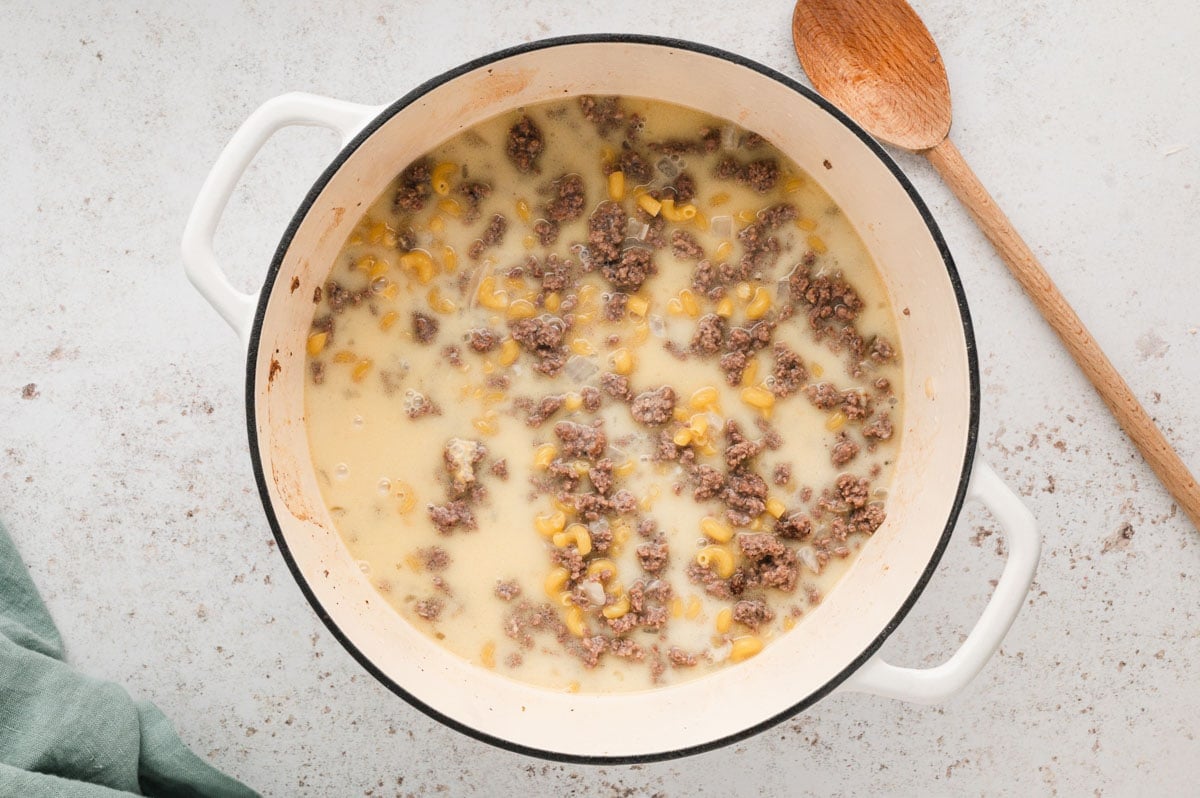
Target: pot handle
point(199, 261)
point(931, 685)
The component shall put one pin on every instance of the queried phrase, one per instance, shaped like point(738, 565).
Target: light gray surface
point(125, 479)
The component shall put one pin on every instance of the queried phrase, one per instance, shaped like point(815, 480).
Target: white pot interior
point(936, 419)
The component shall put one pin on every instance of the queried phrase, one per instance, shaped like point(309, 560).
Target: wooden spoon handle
point(1133, 418)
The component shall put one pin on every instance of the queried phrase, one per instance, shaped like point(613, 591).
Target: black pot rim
point(273, 273)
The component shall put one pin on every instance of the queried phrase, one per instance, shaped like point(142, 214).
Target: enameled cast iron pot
point(835, 646)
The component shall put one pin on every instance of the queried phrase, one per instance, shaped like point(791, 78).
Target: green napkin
point(66, 735)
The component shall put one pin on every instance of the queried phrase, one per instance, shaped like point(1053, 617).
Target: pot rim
point(614, 38)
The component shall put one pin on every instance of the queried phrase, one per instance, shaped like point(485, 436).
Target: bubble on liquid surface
point(385, 486)
point(341, 471)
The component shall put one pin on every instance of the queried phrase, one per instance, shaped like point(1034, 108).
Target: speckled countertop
point(125, 480)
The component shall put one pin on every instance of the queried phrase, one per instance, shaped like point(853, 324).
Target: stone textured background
point(125, 480)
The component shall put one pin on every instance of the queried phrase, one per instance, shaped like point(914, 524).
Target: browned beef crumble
point(733, 365)
point(831, 301)
point(685, 188)
point(499, 469)
point(782, 475)
point(652, 556)
point(451, 516)
point(483, 339)
point(340, 298)
point(453, 355)
point(525, 144)
point(793, 526)
point(654, 407)
point(507, 589)
point(685, 246)
point(772, 563)
point(424, 327)
point(493, 234)
point(616, 386)
point(418, 405)
point(581, 441)
point(879, 428)
point(546, 232)
point(603, 112)
point(752, 612)
point(500, 382)
point(460, 467)
point(570, 559)
point(881, 350)
point(760, 175)
point(542, 337)
point(606, 232)
point(434, 558)
point(526, 619)
point(475, 193)
point(569, 199)
point(413, 190)
point(429, 608)
point(601, 476)
point(615, 306)
point(745, 497)
point(680, 658)
point(591, 398)
point(710, 335)
point(589, 649)
point(739, 450)
point(844, 450)
point(626, 649)
point(789, 373)
point(557, 274)
point(634, 266)
point(545, 408)
point(637, 169)
point(709, 482)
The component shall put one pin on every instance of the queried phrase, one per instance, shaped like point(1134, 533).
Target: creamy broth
point(528, 545)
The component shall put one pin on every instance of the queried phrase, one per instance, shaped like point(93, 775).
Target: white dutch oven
point(936, 470)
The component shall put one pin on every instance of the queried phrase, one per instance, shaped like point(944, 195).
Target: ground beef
point(631, 269)
point(475, 194)
point(623, 502)
point(453, 355)
point(655, 407)
point(526, 618)
point(750, 339)
point(793, 526)
point(493, 234)
point(626, 649)
point(745, 498)
point(685, 188)
point(418, 405)
point(542, 336)
point(507, 589)
point(424, 327)
point(499, 469)
point(772, 563)
point(500, 382)
point(733, 364)
point(546, 232)
point(603, 112)
point(653, 555)
point(709, 482)
point(616, 386)
point(830, 299)
point(752, 612)
point(853, 491)
point(483, 339)
point(525, 145)
point(568, 202)
point(760, 175)
point(615, 305)
point(782, 475)
point(738, 448)
point(710, 335)
point(789, 373)
point(824, 396)
point(680, 658)
point(340, 298)
point(547, 407)
point(555, 273)
point(879, 427)
point(434, 558)
point(637, 169)
point(601, 476)
point(413, 190)
point(590, 649)
point(844, 450)
point(581, 441)
point(429, 608)
point(714, 585)
point(685, 246)
point(881, 350)
point(606, 232)
point(451, 516)
point(591, 398)
point(570, 559)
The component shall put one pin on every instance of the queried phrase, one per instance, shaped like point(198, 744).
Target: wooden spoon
point(875, 60)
